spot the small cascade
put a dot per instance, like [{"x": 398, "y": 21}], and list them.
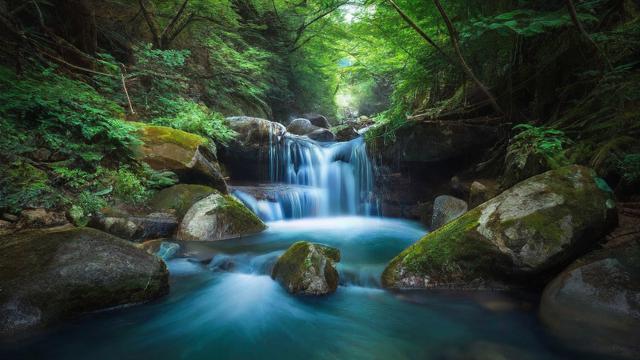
[{"x": 311, "y": 179}]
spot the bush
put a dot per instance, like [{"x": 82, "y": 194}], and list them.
[
  {"x": 195, "y": 118},
  {"x": 547, "y": 142}
]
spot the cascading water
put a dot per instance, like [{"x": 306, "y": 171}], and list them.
[{"x": 315, "y": 179}]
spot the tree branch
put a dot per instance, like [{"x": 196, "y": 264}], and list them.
[{"x": 463, "y": 64}]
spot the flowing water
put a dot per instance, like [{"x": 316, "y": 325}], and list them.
[
  {"x": 230, "y": 308},
  {"x": 328, "y": 179}
]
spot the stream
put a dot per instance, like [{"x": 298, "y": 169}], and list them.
[{"x": 230, "y": 308}]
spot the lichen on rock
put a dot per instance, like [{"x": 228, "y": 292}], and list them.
[
  {"x": 218, "y": 217},
  {"x": 527, "y": 231},
  {"x": 308, "y": 269}
]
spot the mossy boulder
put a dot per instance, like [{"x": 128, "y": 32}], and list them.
[
  {"x": 527, "y": 232},
  {"x": 51, "y": 275},
  {"x": 179, "y": 198},
  {"x": 191, "y": 157},
  {"x": 305, "y": 127},
  {"x": 594, "y": 305},
  {"x": 247, "y": 155},
  {"x": 308, "y": 269},
  {"x": 218, "y": 217}
]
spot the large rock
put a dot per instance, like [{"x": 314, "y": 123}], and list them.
[
  {"x": 446, "y": 209},
  {"x": 247, "y": 155},
  {"x": 301, "y": 126},
  {"x": 431, "y": 142},
  {"x": 344, "y": 132},
  {"x": 135, "y": 227},
  {"x": 318, "y": 120},
  {"x": 191, "y": 157},
  {"x": 322, "y": 135},
  {"x": 218, "y": 217},
  {"x": 594, "y": 305},
  {"x": 179, "y": 198},
  {"x": 308, "y": 269},
  {"x": 50, "y": 275},
  {"x": 526, "y": 232}
]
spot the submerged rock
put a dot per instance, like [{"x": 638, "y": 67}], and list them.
[
  {"x": 594, "y": 305},
  {"x": 445, "y": 209},
  {"x": 308, "y": 269},
  {"x": 218, "y": 217},
  {"x": 191, "y": 157},
  {"x": 527, "y": 231},
  {"x": 51, "y": 275},
  {"x": 179, "y": 198}
]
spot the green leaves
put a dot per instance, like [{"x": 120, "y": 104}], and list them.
[{"x": 523, "y": 22}]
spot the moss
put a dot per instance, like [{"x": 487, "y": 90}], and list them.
[
  {"x": 153, "y": 135},
  {"x": 180, "y": 198},
  {"x": 455, "y": 252},
  {"x": 241, "y": 218},
  {"x": 296, "y": 264}
]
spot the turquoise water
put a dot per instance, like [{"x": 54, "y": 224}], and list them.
[{"x": 231, "y": 309}]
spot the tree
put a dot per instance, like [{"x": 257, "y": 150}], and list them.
[{"x": 179, "y": 21}]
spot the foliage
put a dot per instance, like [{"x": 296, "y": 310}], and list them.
[
  {"x": 195, "y": 118},
  {"x": 66, "y": 116},
  {"x": 629, "y": 167},
  {"x": 547, "y": 142}
]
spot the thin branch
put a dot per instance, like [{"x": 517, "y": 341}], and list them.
[
  {"x": 124, "y": 87},
  {"x": 419, "y": 30},
  {"x": 578, "y": 24},
  {"x": 463, "y": 64},
  {"x": 166, "y": 33},
  {"x": 153, "y": 27}
]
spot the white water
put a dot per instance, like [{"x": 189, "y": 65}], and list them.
[{"x": 328, "y": 179}]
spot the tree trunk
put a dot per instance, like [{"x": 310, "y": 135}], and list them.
[
  {"x": 453, "y": 34},
  {"x": 578, "y": 24}
]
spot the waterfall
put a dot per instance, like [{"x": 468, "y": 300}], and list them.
[{"x": 311, "y": 179}]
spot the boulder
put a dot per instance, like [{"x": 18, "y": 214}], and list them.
[
  {"x": 318, "y": 120},
  {"x": 41, "y": 218},
  {"x": 322, "y": 135},
  {"x": 431, "y": 142},
  {"x": 179, "y": 198},
  {"x": 308, "y": 269},
  {"x": 247, "y": 155},
  {"x": 481, "y": 192},
  {"x": 594, "y": 305},
  {"x": 51, "y": 275},
  {"x": 191, "y": 157},
  {"x": 445, "y": 209},
  {"x": 135, "y": 227},
  {"x": 525, "y": 233},
  {"x": 218, "y": 217},
  {"x": 344, "y": 132},
  {"x": 301, "y": 127}
]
